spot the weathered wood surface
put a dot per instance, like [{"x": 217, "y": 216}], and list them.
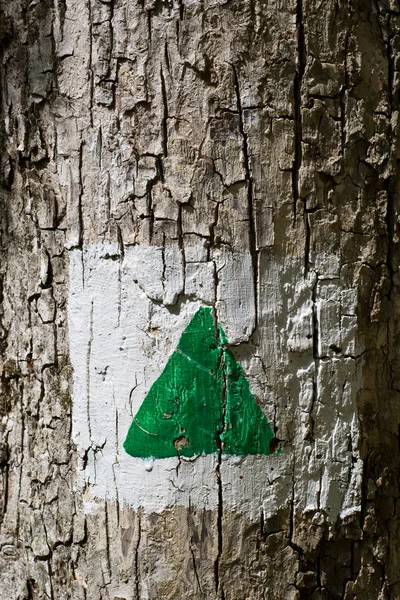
[{"x": 156, "y": 157}]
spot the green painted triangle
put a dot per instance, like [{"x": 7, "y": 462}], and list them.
[{"x": 201, "y": 402}]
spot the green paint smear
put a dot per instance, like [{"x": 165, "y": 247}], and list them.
[{"x": 201, "y": 403}]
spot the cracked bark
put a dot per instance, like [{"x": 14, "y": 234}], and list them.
[{"x": 233, "y": 154}]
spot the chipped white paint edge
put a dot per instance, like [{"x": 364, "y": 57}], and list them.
[{"x": 121, "y": 335}]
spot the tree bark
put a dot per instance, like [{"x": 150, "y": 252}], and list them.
[{"x": 159, "y": 157}]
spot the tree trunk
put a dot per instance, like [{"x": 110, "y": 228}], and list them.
[{"x": 200, "y": 310}]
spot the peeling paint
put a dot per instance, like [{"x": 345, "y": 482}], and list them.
[{"x": 132, "y": 336}]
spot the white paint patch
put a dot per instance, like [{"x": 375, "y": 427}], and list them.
[
  {"x": 122, "y": 331},
  {"x": 235, "y": 295}
]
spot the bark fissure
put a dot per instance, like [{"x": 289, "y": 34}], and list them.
[
  {"x": 88, "y": 370},
  {"x": 79, "y": 199},
  {"x": 343, "y": 93},
  {"x": 297, "y": 100},
  {"x": 390, "y": 218},
  {"x": 164, "y": 118},
  {"x": 136, "y": 566},
  {"x": 107, "y": 539},
  {"x": 249, "y": 179},
  {"x": 4, "y": 467},
  {"x": 90, "y": 62},
  {"x": 195, "y": 571},
  {"x": 220, "y": 512}
]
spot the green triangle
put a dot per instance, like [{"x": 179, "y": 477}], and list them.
[{"x": 201, "y": 402}]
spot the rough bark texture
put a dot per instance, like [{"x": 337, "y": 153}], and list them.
[{"x": 238, "y": 154}]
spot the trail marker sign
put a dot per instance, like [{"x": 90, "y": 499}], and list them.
[{"x": 201, "y": 403}]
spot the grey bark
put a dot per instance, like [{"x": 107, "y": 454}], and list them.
[{"x": 267, "y": 127}]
